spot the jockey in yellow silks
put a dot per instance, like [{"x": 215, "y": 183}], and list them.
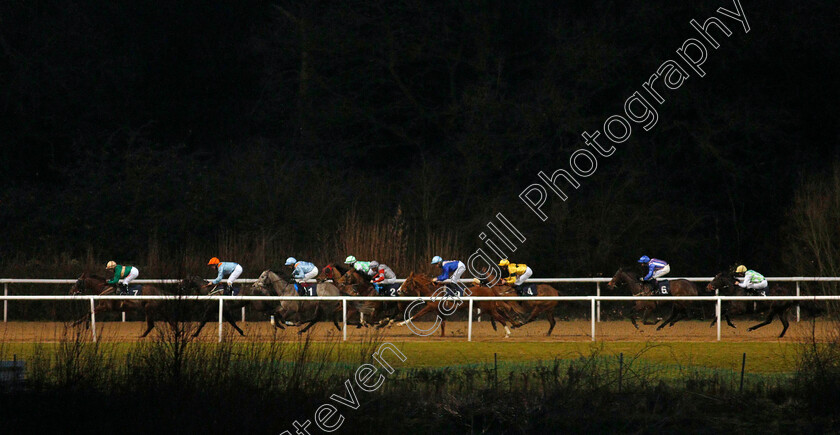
[{"x": 517, "y": 273}]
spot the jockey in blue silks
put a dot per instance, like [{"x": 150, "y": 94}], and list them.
[
  {"x": 451, "y": 270},
  {"x": 303, "y": 271},
  {"x": 656, "y": 268}
]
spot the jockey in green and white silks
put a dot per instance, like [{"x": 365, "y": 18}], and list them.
[
  {"x": 362, "y": 267},
  {"x": 124, "y": 273},
  {"x": 750, "y": 280}
]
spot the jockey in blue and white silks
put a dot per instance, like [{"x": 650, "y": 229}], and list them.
[
  {"x": 451, "y": 269},
  {"x": 656, "y": 268}
]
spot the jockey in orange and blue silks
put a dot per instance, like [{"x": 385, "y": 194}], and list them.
[{"x": 229, "y": 268}]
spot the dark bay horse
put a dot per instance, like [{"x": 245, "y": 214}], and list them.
[
  {"x": 679, "y": 287},
  {"x": 724, "y": 283},
  {"x": 421, "y": 285},
  {"x": 87, "y": 283},
  {"x": 197, "y": 286},
  {"x": 306, "y": 312},
  {"x": 533, "y": 308}
]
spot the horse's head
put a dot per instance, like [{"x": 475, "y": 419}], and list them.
[
  {"x": 619, "y": 278},
  {"x": 190, "y": 285},
  {"x": 722, "y": 282},
  {"x": 79, "y": 286}
]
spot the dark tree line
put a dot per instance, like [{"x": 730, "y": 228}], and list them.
[{"x": 182, "y": 123}]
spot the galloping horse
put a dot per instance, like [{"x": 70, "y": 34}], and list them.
[
  {"x": 307, "y": 311},
  {"x": 421, "y": 285},
  {"x": 724, "y": 283},
  {"x": 679, "y": 287},
  {"x": 97, "y": 285},
  {"x": 535, "y": 308},
  {"x": 195, "y": 285},
  {"x": 381, "y": 313}
]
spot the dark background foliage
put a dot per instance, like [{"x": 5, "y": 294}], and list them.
[{"x": 173, "y": 130}]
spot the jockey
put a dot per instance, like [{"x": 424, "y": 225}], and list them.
[
  {"x": 751, "y": 280},
  {"x": 656, "y": 269},
  {"x": 229, "y": 268},
  {"x": 303, "y": 271},
  {"x": 517, "y": 274},
  {"x": 384, "y": 279},
  {"x": 451, "y": 270},
  {"x": 362, "y": 267},
  {"x": 126, "y": 273}
]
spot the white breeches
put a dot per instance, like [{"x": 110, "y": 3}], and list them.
[
  {"x": 756, "y": 285},
  {"x": 661, "y": 272},
  {"x": 233, "y": 275},
  {"x": 131, "y": 276},
  {"x": 312, "y": 274},
  {"x": 521, "y": 278},
  {"x": 456, "y": 276}
]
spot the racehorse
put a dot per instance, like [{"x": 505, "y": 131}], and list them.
[
  {"x": 195, "y": 285},
  {"x": 421, "y": 285},
  {"x": 679, "y": 287},
  {"x": 307, "y": 311},
  {"x": 381, "y": 313},
  {"x": 535, "y": 308},
  {"x": 97, "y": 285},
  {"x": 724, "y": 283},
  {"x": 332, "y": 271}
]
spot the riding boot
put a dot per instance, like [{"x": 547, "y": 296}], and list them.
[{"x": 123, "y": 289}]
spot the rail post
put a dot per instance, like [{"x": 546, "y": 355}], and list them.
[
  {"x": 592, "y": 316},
  {"x": 5, "y": 302},
  {"x": 469, "y": 322},
  {"x": 717, "y": 314},
  {"x": 123, "y": 316},
  {"x": 93, "y": 318},
  {"x": 221, "y": 311},
  {"x": 598, "y": 293},
  {"x": 797, "y": 305},
  {"x": 344, "y": 318},
  {"x": 243, "y": 314}
]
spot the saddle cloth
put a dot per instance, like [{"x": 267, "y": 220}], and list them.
[
  {"x": 527, "y": 290},
  {"x": 135, "y": 289},
  {"x": 661, "y": 287},
  {"x": 386, "y": 289},
  {"x": 307, "y": 289}
]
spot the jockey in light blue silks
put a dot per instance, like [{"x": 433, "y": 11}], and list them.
[
  {"x": 225, "y": 268},
  {"x": 656, "y": 268},
  {"x": 451, "y": 270},
  {"x": 303, "y": 271}
]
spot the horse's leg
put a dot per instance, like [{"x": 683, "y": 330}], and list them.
[
  {"x": 766, "y": 322},
  {"x": 443, "y": 328},
  {"x": 493, "y": 323},
  {"x": 728, "y": 320},
  {"x": 549, "y": 314},
  {"x": 648, "y": 311},
  {"x": 670, "y": 317},
  {"x": 309, "y": 325},
  {"x": 424, "y": 310},
  {"x": 200, "y": 327},
  {"x": 495, "y": 314},
  {"x": 682, "y": 313},
  {"x": 783, "y": 318},
  {"x": 150, "y": 324},
  {"x": 228, "y": 318}
]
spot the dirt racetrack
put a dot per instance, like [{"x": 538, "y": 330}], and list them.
[{"x": 574, "y": 330}]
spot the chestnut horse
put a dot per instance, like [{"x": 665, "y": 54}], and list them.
[
  {"x": 97, "y": 285},
  {"x": 679, "y": 287},
  {"x": 421, "y": 285},
  {"x": 724, "y": 283},
  {"x": 534, "y": 308}
]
